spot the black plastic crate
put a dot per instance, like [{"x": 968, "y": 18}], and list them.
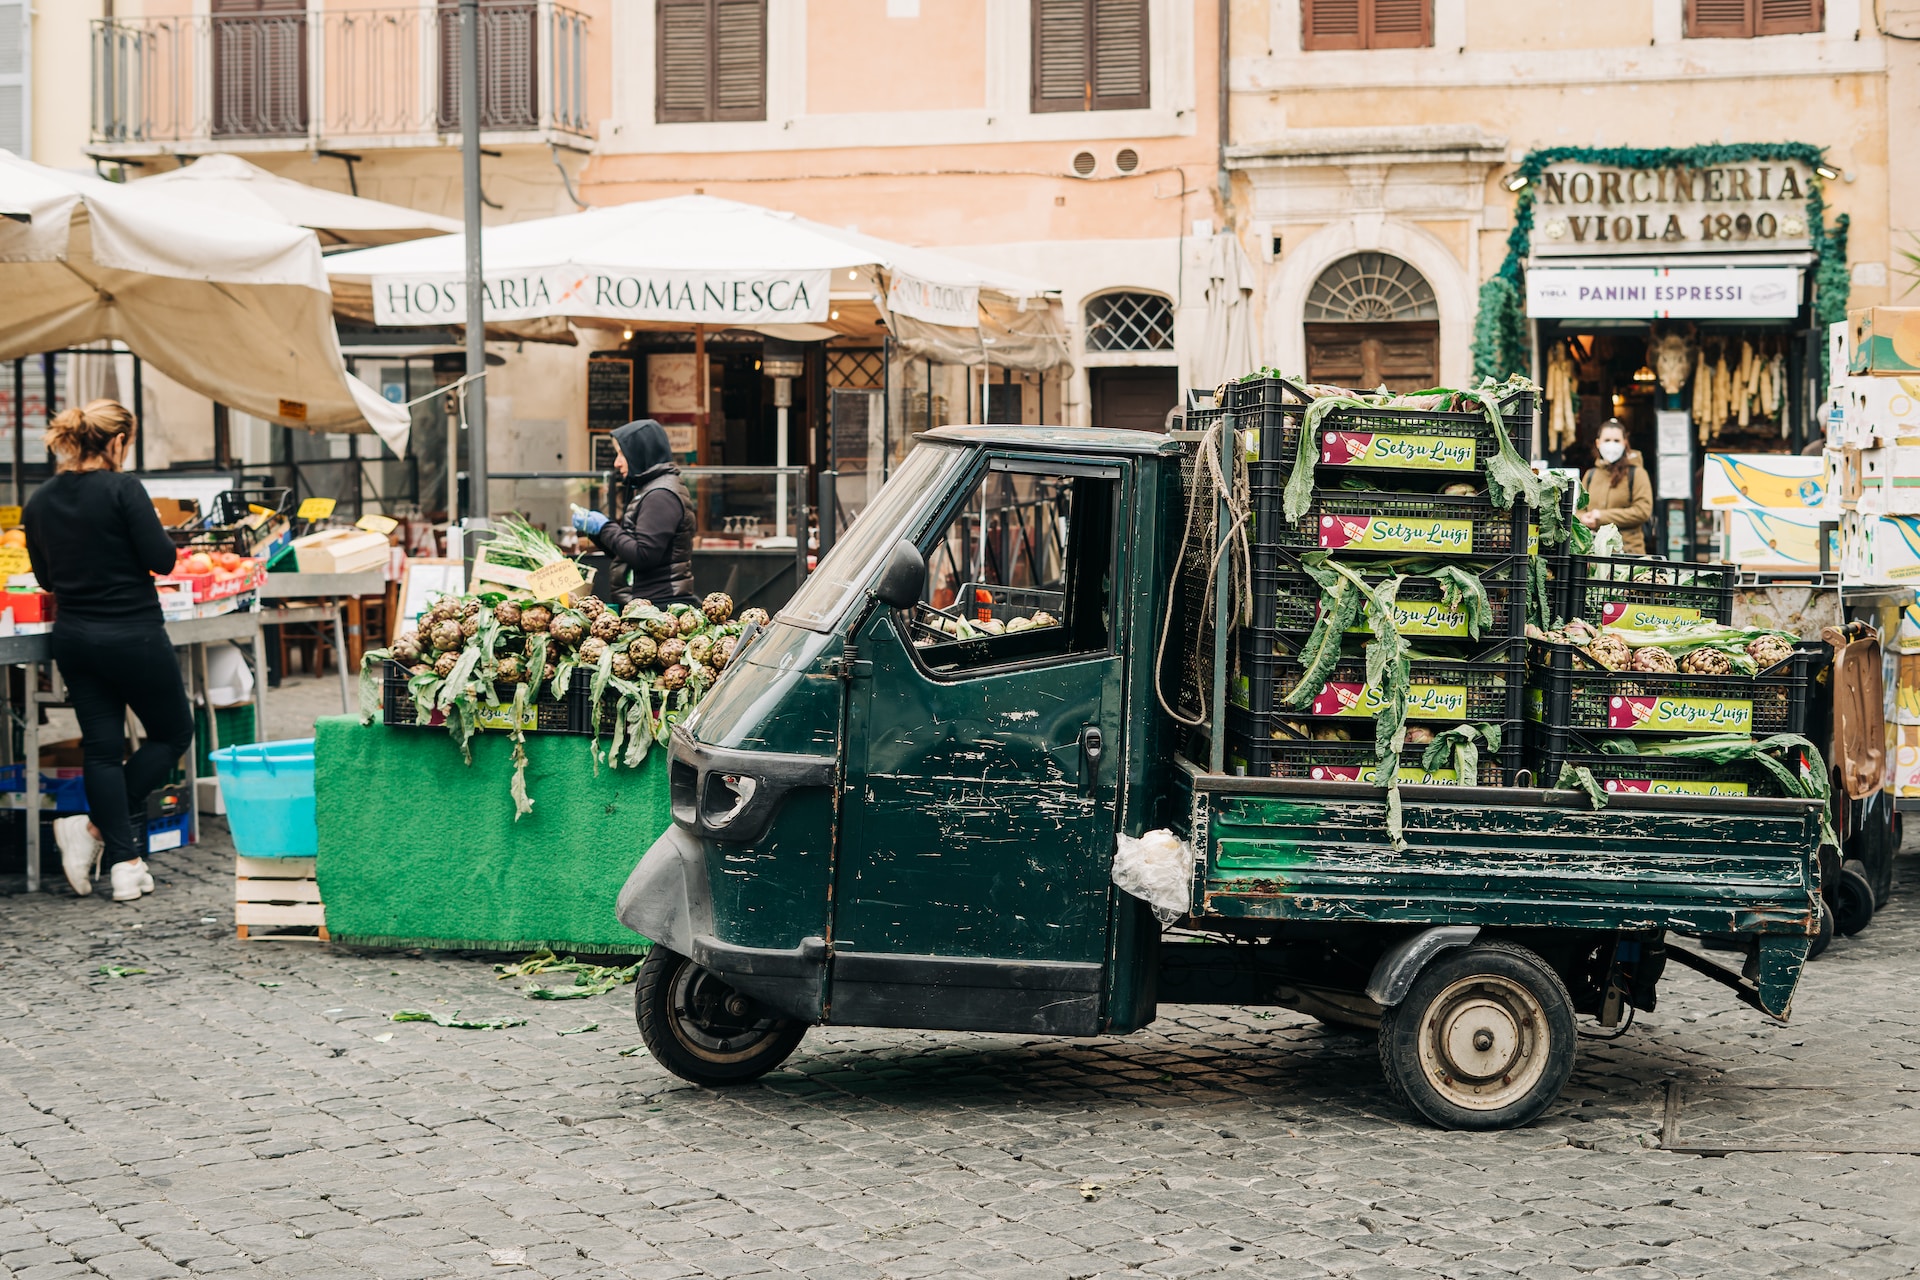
[
  {"x": 235, "y": 505},
  {"x": 1616, "y": 590},
  {"x": 976, "y": 601},
  {"x": 1260, "y": 755},
  {"x": 1392, "y": 524},
  {"x": 1651, "y": 775},
  {"x": 1488, "y": 686},
  {"x": 550, "y": 714},
  {"x": 1384, "y": 439},
  {"x": 1569, "y": 691},
  {"x": 1291, "y": 598}
]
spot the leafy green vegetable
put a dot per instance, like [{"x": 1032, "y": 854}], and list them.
[
  {"x": 456, "y": 1021},
  {"x": 1458, "y": 749},
  {"x": 1462, "y": 590},
  {"x": 580, "y": 1030},
  {"x": 117, "y": 971}
]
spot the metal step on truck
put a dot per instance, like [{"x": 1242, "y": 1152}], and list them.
[{"x": 900, "y": 805}]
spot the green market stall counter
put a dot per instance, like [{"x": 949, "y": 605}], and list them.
[{"x": 420, "y": 849}]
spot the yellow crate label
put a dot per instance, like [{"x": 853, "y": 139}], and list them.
[
  {"x": 1644, "y": 617},
  {"x": 1395, "y": 533},
  {"x": 1424, "y": 701},
  {"x": 501, "y": 717},
  {"x": 1536, "y": 704},
  {"x": 1403, "y": 452},
  {"x": 1673, "y": 787},
  {"x": 1371, "y": 773},
  {"x": 1421, "y": 618},
  {"x": 1703, "y": 715},
  {"x": 9, "y": 517}
]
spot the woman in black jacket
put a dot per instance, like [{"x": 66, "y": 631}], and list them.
[
  {"x": 651, "y": 544},
  {"x": 96, "y": 542}
]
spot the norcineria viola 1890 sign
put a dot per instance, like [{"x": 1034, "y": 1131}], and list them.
[
  {"x": 698, "y": 297},
  {"x": 1594, "y": 209}
]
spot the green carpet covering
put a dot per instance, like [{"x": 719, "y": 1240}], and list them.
[{"x": 418, "y": 849}]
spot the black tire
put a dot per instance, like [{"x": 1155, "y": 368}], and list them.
[
  {"x": 1483, "y": 1040},
  {"x": 1852, "y": 901},
  {"x": 701, "y": 1029},
  {"x": 1823, "y": 939}
]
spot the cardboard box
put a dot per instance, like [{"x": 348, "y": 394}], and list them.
[
  {"x": 1788, "y": 481},
  {"x": 341, "y": 551},
  {"x": 1883, "y": 340},
  {"x": 176, "y": 512},
  {"x": 1884, "y": 481},
  {"x": 1906, "y": 760},
  {"x": 1774, "y": 537},
  {"x": 1879, "y": 551}
]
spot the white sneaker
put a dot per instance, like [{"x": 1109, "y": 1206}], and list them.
[
  {"x": 79, "y": 851},
  {"x": 128, "y": 877}
]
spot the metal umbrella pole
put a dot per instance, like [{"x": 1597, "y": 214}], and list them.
[{"x": 477, "y": 504}]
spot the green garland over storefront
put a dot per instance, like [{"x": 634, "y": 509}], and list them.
[{"x": 1501, "y": 346}]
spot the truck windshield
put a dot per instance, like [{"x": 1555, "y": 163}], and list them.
[{"x": 855, "y": 558}]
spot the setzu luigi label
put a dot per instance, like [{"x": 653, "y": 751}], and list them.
[
  {"x": 1673, "y": 787},
  {"x": 1421, "y": 618},
  {"x": 1408, "y": 453},
  {"x": 1424, "y": 701},
  {"x": 1644, "y": 617},
  {"x": 1396, "y": 533},
  {"x": 1371, "y": 773},
  {"x": 1698, "y": 715}
]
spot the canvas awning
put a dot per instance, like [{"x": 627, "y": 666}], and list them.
[
  {"x": 232, "y": 307},
  {"x": 228, "y": 183}
]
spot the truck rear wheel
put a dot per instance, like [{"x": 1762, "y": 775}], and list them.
[
  {"x": 1483, "y": 1040},
  {"x": 701, "y": 1029}
]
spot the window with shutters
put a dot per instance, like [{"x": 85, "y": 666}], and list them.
[
  {"x": 1366, "y": 24},
  {"x": 14, "y": 78},
  {"x": 1089, "y": 55},
  {"x": 710, "y": 60},
  {"x": 509, "y": 61},
  {"x": 1745, "y": 19},
  {"x": 259, "y": 68}
]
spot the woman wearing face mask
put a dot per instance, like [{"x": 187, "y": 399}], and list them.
[{"x": 1619, "y": 492}]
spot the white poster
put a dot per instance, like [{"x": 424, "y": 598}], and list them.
[
  {"x": 1657, "y": 293},
  {"x": 954, "y": 305},
  {"x": 716, "y": 297}
]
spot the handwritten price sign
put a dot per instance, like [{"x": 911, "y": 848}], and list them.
[{"x": 551, "y": 581}]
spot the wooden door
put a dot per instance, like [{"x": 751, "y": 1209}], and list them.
[
  {"x": 1402, "y": 355},
  {"x": 259, "y": 68},
  {"x": 1138, "y": 399}
]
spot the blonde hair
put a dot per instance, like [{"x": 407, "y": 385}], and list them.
[{"x": 78, "y": 436}]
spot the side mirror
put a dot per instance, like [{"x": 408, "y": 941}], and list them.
[{"x": 903, "y": 578}]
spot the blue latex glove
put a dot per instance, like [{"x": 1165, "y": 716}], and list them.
[{"x": 588, "y": 522}]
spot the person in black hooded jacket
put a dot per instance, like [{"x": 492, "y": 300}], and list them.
[{"x": 651, "y": 544}]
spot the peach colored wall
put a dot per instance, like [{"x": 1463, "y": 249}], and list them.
[{"x": 858, "y": 59}]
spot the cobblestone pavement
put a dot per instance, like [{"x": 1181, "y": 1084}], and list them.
[{"x": 249, "y": 1108}]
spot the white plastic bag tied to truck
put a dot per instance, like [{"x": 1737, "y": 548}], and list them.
[{"x": 1156, "y": 868}]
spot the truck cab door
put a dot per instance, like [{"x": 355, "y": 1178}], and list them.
[{"x": 972, "y": 884}]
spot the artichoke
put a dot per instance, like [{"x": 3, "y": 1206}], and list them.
[
  {"x": 567, "y": 627},
  {"x": 508, "y": 613},
  {"x": 723, "y": 652},
  {"x": 674, "y": 677},
  {"x": 535, "y": 618},
  {"x": 756, "y": 616},
  {"x": 1707, "y": 662},
  {"x": 469, "y": 626},
  {"x": 659, "y": 625},
  {"x": 418, "y": 669},
  {"x": 1418, "y": 735},
  {"x": 1331, "y": 733},
  {"x": 591, "y": 607},
  {"x": 470, "y": 607},
  {"x": 699, "y": 650},
  {"x": 718, "y": 606},
  {"x": 1580, "y": 631},
  {"x": 671, "y": 651},
  {"x": 592, "y": 649},
  {"x": 1609, "y": 651},
  {"x": 443, "y": 665},
  {"x": 406, "y": 648},
  {"x": 622, "y": 665},
  {"x": 1769, "y": 649},
  {"x": 510, "y": 669},
  {"x": 606, "y": 626},
  {"x": 447, "y": 636},
  {"x": 1653, "y": 660},
  {"x": 637, "y": 609},
  {"x": 643, "y": 650},
  {"x": 690, "y": 621},
  {"x": 1041, "y": 618}
]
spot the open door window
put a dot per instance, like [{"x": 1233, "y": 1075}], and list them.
[{"x": 1022, "y": 570}]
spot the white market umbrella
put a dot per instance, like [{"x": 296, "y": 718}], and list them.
[
  {"x": 232, "y": 307},
  {"x": 1227, "y": 344},
  {"x": 685, "y": 259},
  {"x": 236, "y": 186}
]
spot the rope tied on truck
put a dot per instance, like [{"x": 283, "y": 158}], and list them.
[{"x": 1232, "y": 490}]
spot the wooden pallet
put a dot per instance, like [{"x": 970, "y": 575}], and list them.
[{"x": 279, "y": 899}]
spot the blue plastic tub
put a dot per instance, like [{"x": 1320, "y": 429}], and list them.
[{"x": 268, "y": 787}]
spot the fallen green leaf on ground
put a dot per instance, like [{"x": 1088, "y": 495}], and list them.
[
  {"x": 455, "y": 1020},
  {"x": 580, "y": 1031},
  {"x": 117, "y": 971},
  {"x": 632, "y": 1049},
  {"x": 269, "y": 984},
  {"x": 588, "y": 979}
]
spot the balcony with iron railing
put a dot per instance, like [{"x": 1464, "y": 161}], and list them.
[{"x": 285, "y": 79}]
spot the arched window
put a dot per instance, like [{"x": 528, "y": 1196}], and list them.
[
  {"x": 1129, "y": 322},
  {"x": 1369, "y": 287}
]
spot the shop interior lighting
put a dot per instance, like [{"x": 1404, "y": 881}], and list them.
[
  {"x": 1826, "y": 171},
  {"x": 1644, "y": 375},
  {"x": 1516, "y": 181},
  {"x": 627, "y": 334},
  {"x": 833, "y": 315},
  {"x": 853, "y": 275},
  {"x": 1619, "y": 404}
]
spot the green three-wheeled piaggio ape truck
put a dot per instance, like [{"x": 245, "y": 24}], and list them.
[{"x": 897, "y": 809}]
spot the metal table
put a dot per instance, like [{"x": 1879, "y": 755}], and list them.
[{"x": 327, "y": 590}]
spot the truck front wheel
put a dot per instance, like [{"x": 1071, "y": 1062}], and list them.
[
  {"x": 1483, "y": 1040},
  {"x": 701, "y": 1029}
]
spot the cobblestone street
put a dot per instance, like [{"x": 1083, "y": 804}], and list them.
[{"x": 250, "y": 1107}]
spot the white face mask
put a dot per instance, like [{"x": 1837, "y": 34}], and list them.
[{"x": 1612, "y": 450}]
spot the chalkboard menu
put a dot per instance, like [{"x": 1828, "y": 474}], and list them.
[
  {"x": 609, "y": 392},
  {"x": 603, "y": 450}
]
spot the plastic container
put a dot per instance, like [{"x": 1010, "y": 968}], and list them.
[
  {"x": 549, "y": 714},
  {"x": 976, "y": 602},
  {"x": 1650, "y": 775},
  {"x": 1647, "y": 593},
  {"x": 1489, "y": 686},
  {"x": 1259, "y": 755},
  {"x": 1388, "y": 524},
  {"x": 1429, "y": 441},
  {"x": 1291, "y": 599},
  {"x": 61, "y": 790},
  {"x": 268, "y": 789},
  {"x": 1569, "y": 691}
]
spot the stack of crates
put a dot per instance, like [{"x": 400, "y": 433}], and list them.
[
  {"x": 1574, "y": 704},
  {"x": 1378, "y": 501}
]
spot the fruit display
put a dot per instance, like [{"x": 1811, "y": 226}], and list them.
[
  {"x": 482, "y": 662},
  {"x": 214, "y": 575}
]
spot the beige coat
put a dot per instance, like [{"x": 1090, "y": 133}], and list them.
[{"x": 1621, "y": 495}]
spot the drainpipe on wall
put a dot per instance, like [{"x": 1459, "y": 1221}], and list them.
[{"x": 1224, "y": 182}]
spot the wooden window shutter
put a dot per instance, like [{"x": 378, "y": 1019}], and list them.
[
  {"x": 740, "y": 60},
  {"x": 1400, "y": 24},
  {"x": 1788, "y": 17},
  {"x": 1062, "y": 55},
  {"x": 1332, "y": 24},
  {"x": 711, "y": 60},
  {"x": 1119, "y": 55},
  {"x": 1720, "y": 19}
]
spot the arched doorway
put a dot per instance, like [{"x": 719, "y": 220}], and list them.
[{"x": 1372, "y": 320}]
